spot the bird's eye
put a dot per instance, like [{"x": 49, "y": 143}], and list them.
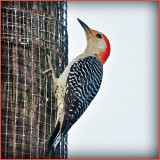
[{"x": 99, "y": 36}]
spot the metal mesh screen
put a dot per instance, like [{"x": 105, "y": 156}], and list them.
[{"x": 30, "y": 31}]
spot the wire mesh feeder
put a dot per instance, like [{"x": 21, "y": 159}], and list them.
[{"x": 30, "y": 31}]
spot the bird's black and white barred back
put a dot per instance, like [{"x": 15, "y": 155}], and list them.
[{"x": 83, "y": 83}]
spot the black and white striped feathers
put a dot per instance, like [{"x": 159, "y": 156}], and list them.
[{"x": 83, "y": 83}]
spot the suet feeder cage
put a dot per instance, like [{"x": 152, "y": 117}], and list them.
[{"x": 30, "y": 31}]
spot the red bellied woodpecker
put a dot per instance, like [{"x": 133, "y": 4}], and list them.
[{"x": 79, "y": 83}]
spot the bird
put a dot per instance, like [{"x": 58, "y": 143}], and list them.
[{"x": 80, "y": 82}]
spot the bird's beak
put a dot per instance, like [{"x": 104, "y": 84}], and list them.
[{"x": 86, "y": 28}]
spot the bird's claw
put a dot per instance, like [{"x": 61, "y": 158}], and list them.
[
  {"x": 50, "y": 69},
  {"x": 50, "y": 65}
]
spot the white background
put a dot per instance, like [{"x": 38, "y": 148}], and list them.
[{"x": 122, "y": 121}]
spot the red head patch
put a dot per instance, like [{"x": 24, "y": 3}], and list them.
[{"x": 105, "y": 54}]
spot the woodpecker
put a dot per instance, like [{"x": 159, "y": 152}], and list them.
[{"x": 79, "y": 83}]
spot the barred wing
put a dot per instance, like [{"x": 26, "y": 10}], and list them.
[{"x": 83, "y": 83}]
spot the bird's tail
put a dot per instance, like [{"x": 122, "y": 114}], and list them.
[{"x": 54, "y": 139}]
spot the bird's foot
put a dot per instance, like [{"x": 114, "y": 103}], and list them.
[
  {"x": 50, "y": 65},
  {"x": 50, "y": 69}
]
